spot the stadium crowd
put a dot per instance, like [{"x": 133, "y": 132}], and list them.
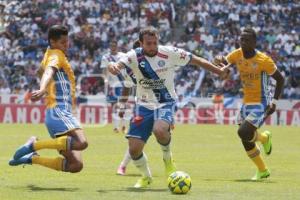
[{"x": 204, "y": 27}]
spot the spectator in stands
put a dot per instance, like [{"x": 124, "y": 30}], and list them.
[{"x": 201, "y": 26}]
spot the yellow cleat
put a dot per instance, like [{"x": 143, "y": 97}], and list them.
[
  {"x": 260, "y": 175},
  {"x": 169, "y": 167},
  {"x": 143, "y": 182},
  {"x": 268, "y": 145}
]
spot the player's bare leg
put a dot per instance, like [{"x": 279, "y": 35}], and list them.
[
  {"x": 69, "y": 145},
  {"x": 139, "y": 159},
  {"x": 248, "y": 135},
  {"x": 161, "y": 130}
]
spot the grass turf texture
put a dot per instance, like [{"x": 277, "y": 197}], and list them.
[{"x": 211, "y": 154}]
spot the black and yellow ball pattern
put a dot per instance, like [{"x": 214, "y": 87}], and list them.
[{"x": 179, "y": 182}]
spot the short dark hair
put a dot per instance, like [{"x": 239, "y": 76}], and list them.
[
  {"x": 56, "y": 31},
  {"x": 250, "y": 31},
  {"x": 150, "y": 30},
  {"x": 114, "y": 41},
  {"x": 136, "y": 44}
]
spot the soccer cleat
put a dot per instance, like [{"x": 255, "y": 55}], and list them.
[
  {"x": 25, "y": 148},
  {"x": 260, "y": 175},
  {"x": 169, "y": 167},
  {"x": 268, "y": 145},
  {"x": 27, "y": 159},
  {"x": 116, "y": 130},
  {"x": 121, "y": 170},
  {"x": 143, "y": 182}
]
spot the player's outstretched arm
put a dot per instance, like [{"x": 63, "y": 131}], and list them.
[
  {"x": 115, "y": 68},
  {"x": 222, "y": 71},
  {"x": 38, "y": 94}
]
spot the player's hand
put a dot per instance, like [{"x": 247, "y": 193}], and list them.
[
  {"x": 218, "y": 60},
  {"x": 270, "y": 109},
  {"x": 225, "y": 71},
  {"x": 113, "y": 68},
  {"x": 37, "y": 95}
]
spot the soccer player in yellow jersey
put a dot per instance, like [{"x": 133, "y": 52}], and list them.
[
  {"x": 58, "y": 86},
  {"x": 255, "y": 68}
]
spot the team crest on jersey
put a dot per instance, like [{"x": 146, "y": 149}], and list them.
[
  {"x": 254, "y": 65},
  {"x": 161, "y": 63},
  {"x": 239, "y": 62},
  {"x": 142, "y": 64}
]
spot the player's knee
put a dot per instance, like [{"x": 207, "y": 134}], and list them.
[
  {"x": 248, "y": 145},
  {"x": 245, "y": 134},
  {"x": 161, "y": 132},
  {"x": 76, "y": 167},
  {"x": 84, "y": 144},
  {"x": 81, "y": 144},
  {"x": 134, "y": 153}
]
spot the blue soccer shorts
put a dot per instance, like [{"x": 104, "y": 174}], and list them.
[
  {"x": 59, "y": 121},
  {"x": 142, "y": 122},
  {"x": 253, "y": 113}
]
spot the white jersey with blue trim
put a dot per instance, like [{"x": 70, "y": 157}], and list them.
[
  {"x": 155, "y": 75},
  {"x": 113, "y": 81}
]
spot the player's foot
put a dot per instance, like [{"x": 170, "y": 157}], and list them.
[
  {"x": 121, "y": 170},
  {"x": 116, "y": 130},
  {"x": 25, "y": 148},
  {"x": 124, "y": 129},
  {"x": 143, "y": 182},
  {"x": 260, "y": 175},
  {"x": 27, "y": 159},
  {"x": 268, "y": 145},
  {"x": 169, "y": 167}
]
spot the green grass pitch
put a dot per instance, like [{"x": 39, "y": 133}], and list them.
[{"x": 211, "y": 154}]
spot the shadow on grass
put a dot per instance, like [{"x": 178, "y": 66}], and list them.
[
  {"x": 130, "y": 175},
  {"x": 37, "y": 189},
  {"x": 251, "y": 181},
  {"x": 240, "y": 180},
  {"x": 132, "y": 189}
]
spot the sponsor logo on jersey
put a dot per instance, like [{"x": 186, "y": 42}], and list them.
[
  {"x": 161, "y": 70},
  {"x": 162, "y": 55},
  {"x": 152, "y": 84}
]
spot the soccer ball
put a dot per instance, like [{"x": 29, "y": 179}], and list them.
[{"x": 179, "y": 182}]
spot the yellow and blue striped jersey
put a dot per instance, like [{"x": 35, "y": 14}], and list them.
[
  {"x": 61, "y": 89},
  {"x": 254, "y": 74}
]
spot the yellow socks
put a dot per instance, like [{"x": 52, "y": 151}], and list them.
[
  {"x": 262, "y": 137},
  {"x": 53, "y": 163},
  {"x": 255, "y": 156},
  {"x": 60, "y": 143}
]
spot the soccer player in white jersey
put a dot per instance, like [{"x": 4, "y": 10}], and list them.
[
  {"x": 129, "y": 82},
  {"x": 154, "y": 67},
  {"x": 115, "y": 85}
]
